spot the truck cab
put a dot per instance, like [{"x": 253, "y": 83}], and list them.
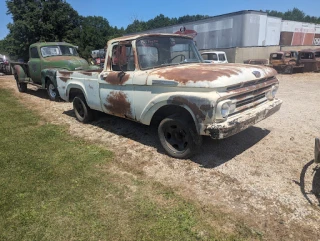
[
  {"x": 310, "y": 58},
  {"x": 216, "y": 57}
]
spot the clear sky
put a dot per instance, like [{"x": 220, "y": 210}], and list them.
[{"x": 121, "y": 13}]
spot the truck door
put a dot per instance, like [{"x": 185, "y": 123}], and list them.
[
  {"x": 115, "y": 82},
  {"x": 34, "y": 65}
]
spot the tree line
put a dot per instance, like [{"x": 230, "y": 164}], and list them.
[{"x": 57, "y": 21}]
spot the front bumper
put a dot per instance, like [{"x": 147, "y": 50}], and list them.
[
  {"x": 235, "y": 124},
  {"x": 317, "y": 151}
]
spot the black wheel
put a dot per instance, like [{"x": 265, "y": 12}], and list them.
[
  {"x": 82, "y": 111},
  {"x": 22, "y": 87},
  {"x": 288, "y": 69},
  {"x": 178, "y": 137},
  {"x": 52, "y": 91}
]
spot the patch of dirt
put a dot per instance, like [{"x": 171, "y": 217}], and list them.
[{"x": 264, "y": 175}]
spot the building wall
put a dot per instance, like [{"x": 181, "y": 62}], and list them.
[
  {"x": 241, "y": 29},
  {"x": 298, "y": 33}
]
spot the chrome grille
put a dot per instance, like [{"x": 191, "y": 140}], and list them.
[{"x": 250, "y": 94}]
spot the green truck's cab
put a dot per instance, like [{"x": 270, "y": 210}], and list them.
[{"x": 44, "y": 60}]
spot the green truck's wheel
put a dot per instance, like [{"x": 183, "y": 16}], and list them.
[
  {"x": 52, "y": 91},
  {"x": 22, "y": 87}
]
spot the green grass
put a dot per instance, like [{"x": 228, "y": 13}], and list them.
[{"x": 55, "y": 187}]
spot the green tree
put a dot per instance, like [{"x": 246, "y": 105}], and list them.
[
  {"x": 160, "y": 21},
  {"x": 294, "y": 15},
  {"x": 39, "y": 20},
  {"x": 94, "y": 33}
]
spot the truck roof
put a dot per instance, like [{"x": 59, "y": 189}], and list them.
[
  {"x": 213, "y": 52},
  {"x": 136, "y": 36},
  {"x": 41, "y": 44},
  {"x": 310, "y": 50}
]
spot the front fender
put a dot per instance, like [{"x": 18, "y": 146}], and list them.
[
  {"x": 49, "y": 74},
  {"x": 199, "y": 105}
]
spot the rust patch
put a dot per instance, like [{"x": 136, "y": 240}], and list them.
[
  {"x": 117, "y": 78},
  {"x": 65, "y": 75},
  {"x": 86, "y": 73},
  {"x": 201, "y": 73},
  {"x": 200, "y": 111},
  {"x": 117, "y": 104}
]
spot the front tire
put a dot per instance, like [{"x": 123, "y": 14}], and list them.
[
  {"x": 52, "y": 91},
  {"x": 178, "y": 137},
  {"x": 82, "y": 111}
]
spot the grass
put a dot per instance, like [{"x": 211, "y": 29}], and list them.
[{"x": 55, "y": 187}]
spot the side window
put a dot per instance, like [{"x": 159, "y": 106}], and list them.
[
  {"x": 276, "y": 56},
  {"x": 34, "y": 53},
  {"x": 214, "y": 57},
  {"x": 205, "y": 56},
  {"x": 306, "y": 56},
  {"x": 221, "y": 57},
  {"x": 123, "y": 58}
]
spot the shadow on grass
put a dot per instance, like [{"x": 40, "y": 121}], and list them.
[
  {"x": 212, "y": 154},
  {"x": 41, "y": 93}
]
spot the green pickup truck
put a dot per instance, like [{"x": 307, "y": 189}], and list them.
[{"x": 44, "y": 60}]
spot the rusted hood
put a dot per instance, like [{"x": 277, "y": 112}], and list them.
[{"x": 209, "y": 75}]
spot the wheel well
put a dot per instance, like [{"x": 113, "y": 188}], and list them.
[
  {"x": 47, "y": 79},
  {"x": 169, "y": 110},
  {"x": 73, "y": 93}
]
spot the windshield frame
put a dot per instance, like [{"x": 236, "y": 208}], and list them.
[
  {"x": 76, "y": 54},
  {"x": 192, "y": 49}
]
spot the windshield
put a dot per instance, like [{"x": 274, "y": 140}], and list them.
[
  {"x": 163, "y": 51},
  {"x": 58, "y": 50}
]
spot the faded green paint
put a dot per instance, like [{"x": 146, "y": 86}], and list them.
[{"x": 42, "y": 67}]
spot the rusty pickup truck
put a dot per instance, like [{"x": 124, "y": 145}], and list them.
[
  {"x": 161, "y": 78},
  {"x": 310, "y": 58},
  {"x": 286, "y": 62},
  {"x": 45, "y": 58}
]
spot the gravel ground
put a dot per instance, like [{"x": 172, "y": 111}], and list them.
[{"x": 264, "y": 175}]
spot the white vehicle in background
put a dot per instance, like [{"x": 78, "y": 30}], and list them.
[{"x": 216, "y": 57}]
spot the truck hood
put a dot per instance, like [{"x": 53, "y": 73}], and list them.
[
  {"x": 66, "y": 62},
  {"x": 209, "y": 75}
]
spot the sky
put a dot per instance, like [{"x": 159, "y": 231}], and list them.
[{"x": 122, "y": 13}]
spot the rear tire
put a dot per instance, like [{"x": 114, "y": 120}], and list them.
[
  {"x": 22, "y": 87},
  {"x": 52, "y": 91},
  {"x": 178, "y": 137},
  {"x": 82, "y": 111}
]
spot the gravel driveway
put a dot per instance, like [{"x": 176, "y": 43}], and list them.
[{"x": 264, "y": 175}]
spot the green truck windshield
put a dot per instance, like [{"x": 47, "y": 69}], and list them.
[{"x": 58, "y": 50}]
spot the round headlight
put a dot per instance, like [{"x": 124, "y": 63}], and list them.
[
  {"x": 225, "y": 110},
  {"x": 270, "y": 95}
]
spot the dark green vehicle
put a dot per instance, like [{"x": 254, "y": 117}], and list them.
[{"x": 44, "y": 60}]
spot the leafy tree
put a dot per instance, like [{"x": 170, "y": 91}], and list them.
[
  {"x": 160, "y": 21},
  {"x": 94, "y": 32},
  {"x": 294, "y": 15},
  {"x": 39, "y": 20}
]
